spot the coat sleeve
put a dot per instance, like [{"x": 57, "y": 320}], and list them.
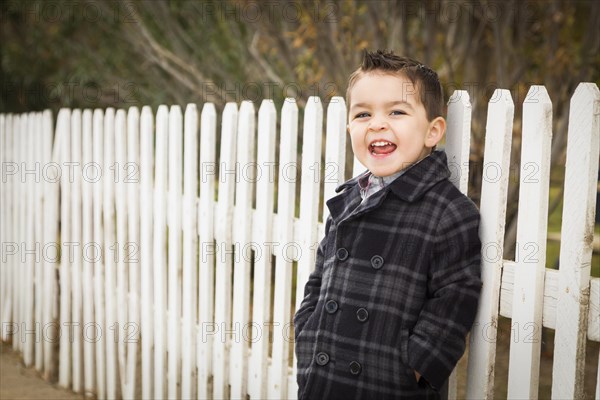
[
  {"x": 312, "y": 287},
  {"x": 438, "y": 338}
]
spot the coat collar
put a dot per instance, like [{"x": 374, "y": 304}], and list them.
[{"x": 409, "y": 186}]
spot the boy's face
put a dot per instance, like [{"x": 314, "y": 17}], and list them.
[{"x": 388, "y": 125}]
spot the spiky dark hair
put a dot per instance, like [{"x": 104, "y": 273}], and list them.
[{"x": 425, "y": 79}]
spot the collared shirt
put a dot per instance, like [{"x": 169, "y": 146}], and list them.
[{"x": 370, "y": 183}]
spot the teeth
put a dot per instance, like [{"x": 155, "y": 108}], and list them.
[{"x": 380, "y": 143}]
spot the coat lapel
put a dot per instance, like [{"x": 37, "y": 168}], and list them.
[{"x": 409, "y": 187}]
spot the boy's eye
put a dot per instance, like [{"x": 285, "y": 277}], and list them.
[
  {"x": 362, "y": 115},
  {"x": 398, "y": 112}
]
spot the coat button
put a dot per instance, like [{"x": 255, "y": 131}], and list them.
[
  {"x": 322, "y": 358},
  {"x": 362, "y": 314},
  {"x": 341, "y": 254},
  {"x": 355, "y": 368},
  {"x": 331, "y": 306},
  {"x": 377, "y": 262}
]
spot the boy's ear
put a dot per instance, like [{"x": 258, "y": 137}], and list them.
[{"x": 437, "y": 129}]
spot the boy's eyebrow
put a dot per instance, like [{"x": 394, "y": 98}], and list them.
[{"x": 388, "y": 104}]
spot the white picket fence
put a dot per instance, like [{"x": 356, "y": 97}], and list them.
[{"x": 149, "y": 289}]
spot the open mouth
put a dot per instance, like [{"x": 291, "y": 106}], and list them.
[{"x": 381, "y": 147}]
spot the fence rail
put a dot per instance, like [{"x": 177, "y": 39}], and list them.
[{"x": 136, "y": 262}]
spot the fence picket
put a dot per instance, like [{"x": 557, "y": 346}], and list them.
[
  {"x": 224, "y": 243},
  {"x": 174, "y": 250},
  {"x": 494, "y": 190},
  {"x": 190, "y": 252},
  {"x": 160, "y": 256},
  {"x": 120, "y": 246},
  {"x": 458, "y": 141},
  {"x": 100, "y": 264},
  {"x": 64, "y": 125},
  {"x": 5, "y": 212},
  {"x": 38, "y": 226},
  {"x": 76, "y": 253},
  {"x": 309, "y": 195},
  {"x": 577, "y": 234},
  {"x": 532, "y": 224},
  {"x": 206, "y": 228},
  {"x": 131, "y": 330},
  {"x": 278, "y": 382},
  {"x": 108, "y": 203},
  {"x": 3, "y": 217},
  {"x": 29, "y": 240},
  {"x": 335, "y": 149},
  {"x": 20, "y": 194},
  {"x": 261, "y": 304},
  {"x": 240, "y": 316},
  {"x": 50, "y": 239},
  {"x": 88, "y": 251},
  {"x": 146, "y": 260},
  {"x": 458, "y": 138}
]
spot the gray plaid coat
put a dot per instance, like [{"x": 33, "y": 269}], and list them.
[{"x": 395, "y": 288}]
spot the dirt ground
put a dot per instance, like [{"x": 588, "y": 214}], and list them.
[{"x": 20, "y": 383}]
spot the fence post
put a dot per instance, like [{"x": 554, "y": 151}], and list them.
[
  {"x": 494, "y": 189},
  {"x": 577, "y": 233},
  {"x": 458, "y": 143},
  {"x": 532, "y": 227}
]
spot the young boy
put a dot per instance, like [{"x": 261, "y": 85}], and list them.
[{"x": 397, "y": 280}]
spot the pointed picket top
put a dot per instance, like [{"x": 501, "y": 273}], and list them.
[
  {"x": 208, "y": 126},
  {"x": 227, "y": 160},
  {"x": 313, "y": 111},
  {"x": 458, "y": 138},
  {"x": 267, "y": 122},
  {"x": 528, "y": 289},
  {"x": 494, "y": 190},
  {"x": 245, "y": 142},
  {"x": 335, "y": 149},
  {"x": 63, "y": 125},
  {"x": 577, "y": 232}
]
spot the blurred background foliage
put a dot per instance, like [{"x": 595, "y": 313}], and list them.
[{"x": 91, "y": 54}]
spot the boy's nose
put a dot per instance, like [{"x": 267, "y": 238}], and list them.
[{"x": 378, "y": 125}]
